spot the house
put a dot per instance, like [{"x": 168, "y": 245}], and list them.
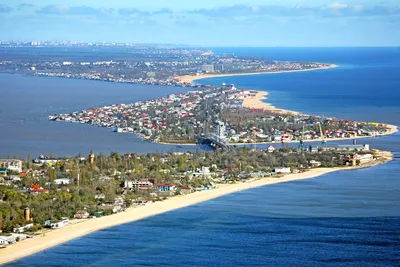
[
  {"x": 165, "y": 187},
  {"x": 3, "y": 171},
  {"x": 141, "y": 202},
  {"x": 138, "y": 185},
  {"x": 81, "y": 214},
  {"x": 23, "y": 228},
  {"x": 271, "y": 149},
  {"x": 35, "y": 189},
  {"x": 365, "y": 158},
  {"x": 98, "y": 214},
  {"x": 282, "y": 170},
  {"x": 277, "y": 137},
  {"x": 204, "y": 172},
  {"x": 57, "y": 225},
  {"x": 62, "y": 181},
  {"x": 11, "y": 164},
  {"x": 186, "y": 190},
  {"x": 99, "y": 196},
  {"x": 315, "y": 163},
  {"x": 3, "y": 241}
]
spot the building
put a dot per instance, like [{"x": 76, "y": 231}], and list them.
[
  {"x": 23, "y": 228},
  {"x": 91, "y": 159},
  {"x": 138, "y": 185},
  {"x": 27, "y": 214},
  {"x": 314, "y": 163},
  {"x": 364, "y": 158},
  {"x": 57, "y": 225},
  {"x": 98, "y": 214},
  {"x": 3, "y": 241},
  {"x": 3, "y": 171},
  {"x": 208, "y": 68},
  {"x": 62, "y": 181},
  {"x": 165, "y": 187},
  {"x": 283, "y": 170},
  {"x": 186, "y": 190},
  {"x": 11, "y": 164},
  {"x": 219, "y": 67},
  {"x": 346, "y": 148},
  {"x": 219, "y": 129},
  {"x": 203, "y": 172},
  {"x": 271, "y": 149},
  {"x": 81, "y": 214},
  {"x": 35, "y": 189}
]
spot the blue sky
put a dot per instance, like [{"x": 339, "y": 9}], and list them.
[{"x": 206, "y": 22}]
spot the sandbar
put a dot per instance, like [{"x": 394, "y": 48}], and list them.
[{"x": 189, "y": 79}]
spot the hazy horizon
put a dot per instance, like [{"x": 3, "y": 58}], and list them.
[{"x": 223, "y": 23}]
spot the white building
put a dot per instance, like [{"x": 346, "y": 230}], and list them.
[
  {"x": 365, "y": 158},
  {"x": 138, "y": 185},
  {"x": 219, "y": 129},
  {"x": 283, "y": 170},
  {"x": 208, "y": 68},
  {"x": 62, "y": 181},
  {"x": 315, "y": 163},
  {"x": 11, "y": 164},
  {"x": 23, "y": 228},
  {"x": 3, "y": 240}
]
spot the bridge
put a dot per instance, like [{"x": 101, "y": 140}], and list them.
[{"x": 215, "y": 142}]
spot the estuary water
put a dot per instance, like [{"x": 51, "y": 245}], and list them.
[{"x": 347, "y": 218}]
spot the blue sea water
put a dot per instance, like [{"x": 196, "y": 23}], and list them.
[
  {"x": 347, "y": 218},
  {"x": 366, "y": 86}
]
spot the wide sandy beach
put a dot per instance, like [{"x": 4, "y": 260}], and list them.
[
  {"x": 192, "y": 78},
  {"x": 84, "y": 227},
  {"x": 257, "y": 102}
]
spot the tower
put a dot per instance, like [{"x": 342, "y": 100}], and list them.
[
  {"x": 219, "y": 129},
  {"x": 91, "y": 158},
  {"x": 27, "y": 214}
]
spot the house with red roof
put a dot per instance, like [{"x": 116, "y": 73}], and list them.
[{"x": 35, "y": 189}]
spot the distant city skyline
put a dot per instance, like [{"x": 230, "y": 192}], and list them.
[{"x": 205, "y": 23}]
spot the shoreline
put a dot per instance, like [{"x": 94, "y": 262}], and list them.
[
  {"x": 190, "y": 79},
  {"x": 256, "y": 102},
  {"x": 86, "y": 226}
]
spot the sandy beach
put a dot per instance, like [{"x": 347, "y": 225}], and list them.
[
  {"x": 84, "y": 227},
  {"x": 257, "y": 102},
  {"x": 192, "y": 78}
]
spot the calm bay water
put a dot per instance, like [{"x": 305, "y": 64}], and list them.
[{"x": 348, "y": 218}]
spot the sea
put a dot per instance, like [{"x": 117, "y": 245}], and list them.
[{"x": 346, "y": 218}]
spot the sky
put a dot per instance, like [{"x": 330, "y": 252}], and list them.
[{"x": 261, "y": 23}]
